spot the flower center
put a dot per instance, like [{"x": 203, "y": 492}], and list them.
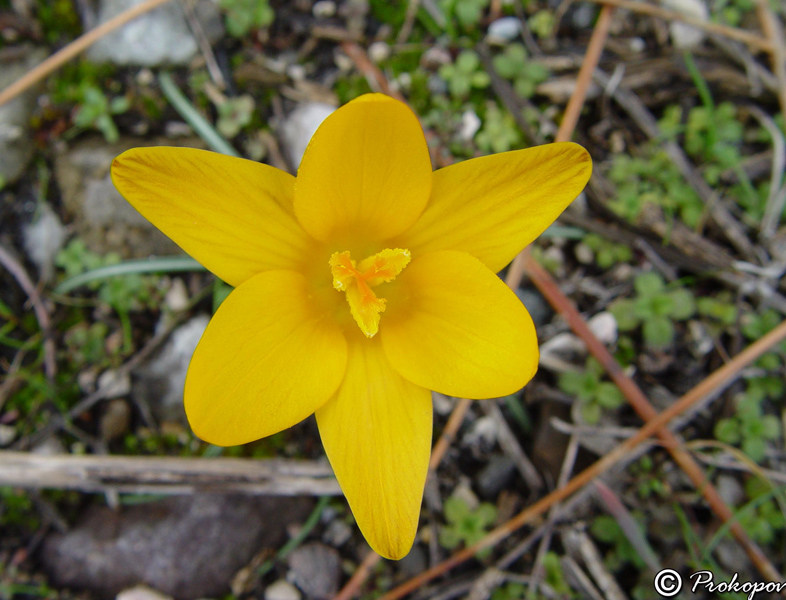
[{"x": 356, "y": 280}]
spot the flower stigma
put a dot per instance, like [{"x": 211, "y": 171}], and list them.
[{"x": 357, "y": 280}]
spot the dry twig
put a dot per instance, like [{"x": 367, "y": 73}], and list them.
[{"x": 167, "y": 475}]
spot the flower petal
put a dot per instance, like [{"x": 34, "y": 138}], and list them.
[
  {"x": 233, "y": 215},
  {"x": 267, "y": 360},
  {"x": 367, "y": 169},
  {"x": 377, "y": 436},
  {"x": 456, "y": 328},
  {"x": 492, "y": 207}
]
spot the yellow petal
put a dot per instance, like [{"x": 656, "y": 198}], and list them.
[
  {"x": 233, "y": 215},
  {"x": 365, "y": 172},
  {"x": 492, "y": 207},
  {"x": 268, "y": 359},
  {"x": 377, "y": 436},
  {"x": 455, "y": 327}
]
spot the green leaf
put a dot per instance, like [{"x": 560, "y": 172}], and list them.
[
  {"x": 771, "y": 427},
  {"x": 624, "y": 313},
  {"x": 658, "y": 331},
  {"x": 684, "y": 306},
  {"x": 648, "y": 284},
  {"x": 455, "y": 509},
  {"x": 728, "y": 431},
  {"x": 590, "y": 412},
  {"x": 608, "y": 395}
]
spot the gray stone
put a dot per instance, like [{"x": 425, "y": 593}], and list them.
[
  {"x": 505, "y": 29},
  {"x": 160, "y": 383},
  {"x": 43, "y": 239},
  {"x": 161, "y": 36},
  {"x": 337, "y": 533},
  {"x": 186, "y": 547},
  {"x": 282, "y": 590},
  {"x": 16, "y": 144},
  {"x": 315, "y": 569},
  {"x": 536, "y": 304},
  {"x": 495, "y": 476},
  {"x": 300, "y": 125},
  {"x": 141, "y": 592},
  {"x": 100, "y": 216}
]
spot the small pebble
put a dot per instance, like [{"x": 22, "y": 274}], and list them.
[
  {"x": 115, "y": 420},
  {"x": 504, "y": 30},
  {"x": 177, "y": 296},
  {"x": 316, "y": 570},
  {"x": 7, "y": 435},
  {"x": 141, "y": 592},
  {"x": 379, "y": 52},
  {"x": 584, "y": 254},
  {"x": 435, "y": 57},
  {"x": 337, "y": 533},
  {"x": 324, "y": 9},
  {"x": 281, "y": 589},
  {"x": 470, "y": 123},
  {"x": 296, "y": 72},
  {"x": 494, "y": 477},
  {"x": 114, "y": 384}
]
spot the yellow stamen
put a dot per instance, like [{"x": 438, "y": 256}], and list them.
[{"x": 357, "y": 281}]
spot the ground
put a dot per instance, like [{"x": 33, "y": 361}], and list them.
[{"x": 673, "y": 257}]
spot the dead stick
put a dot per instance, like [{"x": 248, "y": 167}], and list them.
[
  {"x": 717, "y": 380},
  {"x": 598, "y": 40},
  {"x": 751, "y": 39},
  {"x": 76, "y": 47},
  {"x": 166, "y": 475}
]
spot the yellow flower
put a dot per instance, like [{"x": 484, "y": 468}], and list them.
[{"x": 360, "y": 285}]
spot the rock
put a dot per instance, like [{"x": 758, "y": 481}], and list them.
[
  {"x": 536, "y": 305},
  {"x": 470, "y": 123},
  {"x": 337, "y": 533},
  {"x": 482, "y": 433},
  {"x": 7, "y": 434},
  {"x": 562, "y": 352},
  {"x": 379, "y": 51},
  {"x": 115, "y": 420},
  {"x": 16, "y": 144},
  {"x": 176, "y": 297},
  {"x": 187, "y": 547},
  {"x": 160, "y": 382},
  {"x": 300, "y": 125},
  {"x": 414, "y": 563},
  {"x": 43, "y": 240},
  {"x": 730, "y": 490},
  {"x": 114, "y": 384},
  {"x": 161, "y": 36},
  {"x": 141, "y": 592},
  {"x": 101, "y": 216},
  {"x": 324, "y": 9},
  {"x": 685, "y": 36},
  {"x": 494, "y": 477},
  {"x": 315, "y": 569},
  {"x": 504, "y": 30},
  {"x": 435, "y": 57},
  {"x": 282, "y": 590}
]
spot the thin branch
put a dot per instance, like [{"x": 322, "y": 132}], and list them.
[
  {"x": 41, "y": 314},
  {"x": 166, "y": 475}
]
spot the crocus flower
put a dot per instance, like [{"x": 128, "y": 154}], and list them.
[{"x": 360, "y": 285}]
